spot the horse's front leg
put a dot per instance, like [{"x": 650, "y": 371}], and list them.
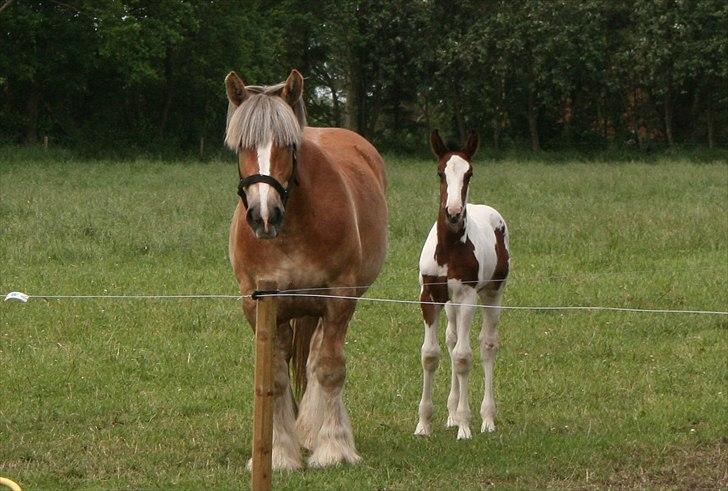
[
  {"x": 430, "y": 358},
  {"x": 335, "y": 440},
  {"x": 451, "y": 337},
  {"x": 488, "y": 348},
  {"x": 286, "y": 450},
  {"x": 310, "y": 416},
  {"x": 463, "y": 357}
]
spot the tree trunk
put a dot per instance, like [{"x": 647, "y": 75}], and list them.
[
  {"x": 711, "y": 126},
  {"x": 533, "y": 122},
  {"x": 31, "y": 129},
  {"x": 668, "y": 115},
  {"x": 336, "y": 106},
  {"x": 168, "y": 92},
  {"x": 353, "y": 109},
  {"x": 496, "y": 132}
]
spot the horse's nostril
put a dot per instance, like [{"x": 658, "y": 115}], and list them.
[{"x": 277, "y": 216}]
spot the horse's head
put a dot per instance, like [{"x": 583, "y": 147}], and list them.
[
  {"x": 455, "y": 170},
  {"x": 264, "y": 128}
]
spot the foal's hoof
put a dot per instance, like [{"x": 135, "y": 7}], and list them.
[
  {"x": 488, "y": 426},
  {"x": 464, "y": 432},
  {"x": 423, "y": 429},
  {"x": 451, "y": 423}
]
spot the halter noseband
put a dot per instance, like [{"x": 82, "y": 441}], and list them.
[{"x": 284, "y": 193}]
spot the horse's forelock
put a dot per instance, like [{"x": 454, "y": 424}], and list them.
[{"x": 264, "y": 117}]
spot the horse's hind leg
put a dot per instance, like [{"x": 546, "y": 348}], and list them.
[
  {"x": 286, "y": 451},
  {"x": 430, "y": 357},
  {"x": 488, "y": 348},
  {"x": 335, "y": 441}
]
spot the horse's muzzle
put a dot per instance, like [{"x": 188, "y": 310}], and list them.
[{"x": 265, "y": 228}]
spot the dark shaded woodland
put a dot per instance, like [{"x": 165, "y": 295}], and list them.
[{"x": 530, "y": 74}]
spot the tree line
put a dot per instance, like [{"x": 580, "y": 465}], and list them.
[{"x": 139, "y": 74}]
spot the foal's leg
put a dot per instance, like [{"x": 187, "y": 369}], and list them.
[
  {"x": 430, "y": 357},
  {"x": 488, "y": 348},
  {"x": 451, "y": 337},
  {"x": 335, "y": 442},
  {"x": 463, "y": 357},
  {"x": 286, "y": 452}
]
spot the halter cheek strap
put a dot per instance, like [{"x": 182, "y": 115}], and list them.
[{"x": 284, "y": 193}]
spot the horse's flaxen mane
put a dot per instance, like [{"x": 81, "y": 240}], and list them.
[{"x": 263, "y": 117}]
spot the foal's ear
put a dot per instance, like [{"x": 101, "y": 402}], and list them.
[
  {"x": 293, "y": 89},
  {"x": 235, "y": 88},
  {"x": 471, "y": 145},
  {"x": 436, "y": 144}
]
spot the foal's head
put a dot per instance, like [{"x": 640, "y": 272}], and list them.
[
  {"x": 264, "y": 127},
  {"x": 455, "y": 170}
]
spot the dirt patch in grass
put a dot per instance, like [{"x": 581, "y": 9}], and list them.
[{"x": 699, "y": 466}]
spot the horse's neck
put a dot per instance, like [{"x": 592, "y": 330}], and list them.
[{"x": 447, "y": 239}]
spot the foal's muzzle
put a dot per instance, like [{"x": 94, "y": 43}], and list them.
[
  {"x": 454, "y": 221},
  {"x": 265, "y": 228}
]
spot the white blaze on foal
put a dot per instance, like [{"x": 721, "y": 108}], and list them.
[{"x": 464, "y": 257}]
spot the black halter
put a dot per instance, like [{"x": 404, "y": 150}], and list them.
[{"x": 284, "y": 193}]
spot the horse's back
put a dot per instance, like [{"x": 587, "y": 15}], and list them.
[{"x": 349, "y": 150}]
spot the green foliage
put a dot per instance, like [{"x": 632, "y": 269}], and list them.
[{"x": 134, "y": 75}]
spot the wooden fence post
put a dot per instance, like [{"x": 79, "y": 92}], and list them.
[
  {"x": 265, "y": 331},
  {"x": 202, "y": 147},
  {"x": 45, "y": 142}
]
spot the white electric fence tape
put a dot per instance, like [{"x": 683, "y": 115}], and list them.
[{"x": 23, "y": 297}]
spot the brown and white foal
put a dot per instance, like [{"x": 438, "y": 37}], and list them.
[{"x": 465, "y": 256}]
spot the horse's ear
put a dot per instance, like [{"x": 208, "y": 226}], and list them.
[
  {"x": 471, "y": 145},
  {"x": 436, "y": 144},
  {"x": 235, "y": 88},
  {"x": 293, "y": 89}
]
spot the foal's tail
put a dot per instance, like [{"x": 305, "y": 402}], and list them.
[{"x": 303, "y": 329}]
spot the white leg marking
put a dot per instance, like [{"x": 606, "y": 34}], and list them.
[
  {"x": 335, "y": 443},
  {"x": 430, "y": 357},
  {"x": 463, "y": 358},
  {"x": 310, "y": 413},
  {"x": 333, "y": 440},
  {"x": 488, "y": 348},
  {"x": 451, "y": 337}
]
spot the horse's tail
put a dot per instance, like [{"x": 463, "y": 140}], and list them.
[{"x": 303, "y": 329}]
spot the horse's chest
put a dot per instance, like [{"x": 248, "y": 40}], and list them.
[{"x": 459, "y": 261}]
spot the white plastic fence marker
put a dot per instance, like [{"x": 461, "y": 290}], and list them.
[{"x": 19, "y": 296}]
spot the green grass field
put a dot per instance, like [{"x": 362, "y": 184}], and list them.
[{"x": 98, "y": 394}]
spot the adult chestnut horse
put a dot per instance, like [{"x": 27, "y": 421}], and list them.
[{"x": 312, "y": 215}]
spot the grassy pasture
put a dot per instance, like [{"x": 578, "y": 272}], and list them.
[{"x": 157, "y": 394}]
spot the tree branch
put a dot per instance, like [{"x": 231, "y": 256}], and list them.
[{"x": 5, "y": 5}]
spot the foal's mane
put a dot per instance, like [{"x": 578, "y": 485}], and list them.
[{"x": 264, "y": 117}]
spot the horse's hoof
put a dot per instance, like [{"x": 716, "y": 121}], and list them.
[
  {"x": 464, "y": 432},
  {"x": 329, "y": 455},
  {"x": 488, "y": 426},
  {"x": 451, "y": 423},
  {"x": 423, "y": 429},
  {"x": 280, "y": 463}
]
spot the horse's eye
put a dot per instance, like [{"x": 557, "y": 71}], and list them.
[{"x": 440, "y": 174}]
